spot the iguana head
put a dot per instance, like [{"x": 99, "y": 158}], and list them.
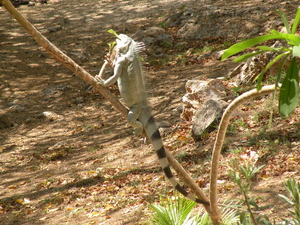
[{"x": 123, "y": 42}]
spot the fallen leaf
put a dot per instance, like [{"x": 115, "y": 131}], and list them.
[
  {"x": 93, "y": 214},
  {"x": 12, "y": 187},
  {"x": 19, "y": 201},
  {"x": 53, "y": 210},
  {"x": 92, "y": 172},
  {"x": 32, "y": 168},
  {"x": 29, "y": 211},
  {"x": 43, "y": 218},
  {"x": 107, "y": 207}
]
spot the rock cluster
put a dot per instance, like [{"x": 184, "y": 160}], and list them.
[{"x": 204, "y": 104}]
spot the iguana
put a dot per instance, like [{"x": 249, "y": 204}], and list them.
[{"x": 126, "y": 62}]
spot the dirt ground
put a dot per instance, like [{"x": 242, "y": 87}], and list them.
[{"x": 83, "y": 165}]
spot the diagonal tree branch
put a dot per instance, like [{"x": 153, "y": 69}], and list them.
[
  {"x": 63, "y": 58},
  {"x": 79, "y": 71}
]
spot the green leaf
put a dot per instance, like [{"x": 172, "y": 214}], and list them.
[
  {"x": 175, "y": 211},
  {"x": 267, "y": 48},
  {"x": 229, "y": 216},
  {"x": 285, "y": 21},
  {"x": 278, "y": 50},
  {"x": 111, "y": 45},
  {"x": 280, "y": 71},
  {"x": 296, "y": 21},
  {"x": 111, "y": 31},
  {"x": 296, "y": 51},
  {"x": 289, "y": 91},
  {"x": 261, "y": 75},
  {"x": 290, "y": 37},
  {"x": 257, "y": 168},
  {"x": 236, "y": 48},
  {"x": 286, "y": 199},
  {"x": 247, "y": 56},
  {"x": 264, "y": 220},
  {"x": 253, "y": 203}
]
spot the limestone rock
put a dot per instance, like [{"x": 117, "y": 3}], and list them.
[
  {"x": 49, "y": 116},
  {"x": 199, "y": 91},
  {"x": 207, "y": 116},
  {"x": 204, "y": 104}
]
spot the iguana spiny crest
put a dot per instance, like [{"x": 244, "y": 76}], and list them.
[{"x": 126, "y": 62}]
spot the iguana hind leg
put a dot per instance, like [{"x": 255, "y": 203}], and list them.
[{"x": 133, "y": 115}]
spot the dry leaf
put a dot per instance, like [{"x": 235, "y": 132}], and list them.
[
  {"x": 19, "y": 201},
  {"x": 11, "y": 187}
]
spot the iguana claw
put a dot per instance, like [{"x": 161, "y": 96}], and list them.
[{"x": 99, "y": 80}]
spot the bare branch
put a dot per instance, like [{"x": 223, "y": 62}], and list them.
[
  {"x": 188, "y": 180},
  {"x": 79, "y": 71},
  {"x": 216, "y": 215}
]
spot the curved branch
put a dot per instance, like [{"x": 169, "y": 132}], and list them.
[{"x": 220, "y": 140}]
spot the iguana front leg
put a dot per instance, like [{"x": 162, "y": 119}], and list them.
[
  {"x": 101, "y": 72},
  {"x": 115, "y": 77},
  {"x": 110, "y": 59}
]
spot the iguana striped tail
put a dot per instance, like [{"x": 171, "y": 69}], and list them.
[{"x": 153, "y": 133}]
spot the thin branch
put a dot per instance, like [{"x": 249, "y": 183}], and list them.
[
  {"x": 220, "y": 140},
  {"x": 188, "y": 180}
]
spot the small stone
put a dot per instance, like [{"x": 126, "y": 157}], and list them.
[
  {"x": 218, "y": 54},
  {"x": 48, "y": 116},
  {"x": 28, "y": 120},
  {"x": 79, "y": 100},
  {"x": 17, "y": 108},
  {"x": 153, "y": 31},
  {"x": 5, "y": 122}
]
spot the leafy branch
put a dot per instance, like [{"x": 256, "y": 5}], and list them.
[{"x": 289, "y": 90}]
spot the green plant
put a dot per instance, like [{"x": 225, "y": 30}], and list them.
[
  {"x": 180, "y": 211},
  {"x": 289, "y": 90},
  {"x": 177, "y": 212},
  {"x": 166, "y": 45},
  {"x": 239, "y": 90},
  {"x": 242, "y": 177},
  {"x": 236, "y": 125},
  {"x": 181, "y": 156},
  {"x": 163, "y": 25},
  {"x": 112, "y": 44},
  {"x": 203, "y": 50},
  {"x": 293, "y": 188}
]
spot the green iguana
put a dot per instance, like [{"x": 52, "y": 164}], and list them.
[{"x": 126, "y": 62}]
